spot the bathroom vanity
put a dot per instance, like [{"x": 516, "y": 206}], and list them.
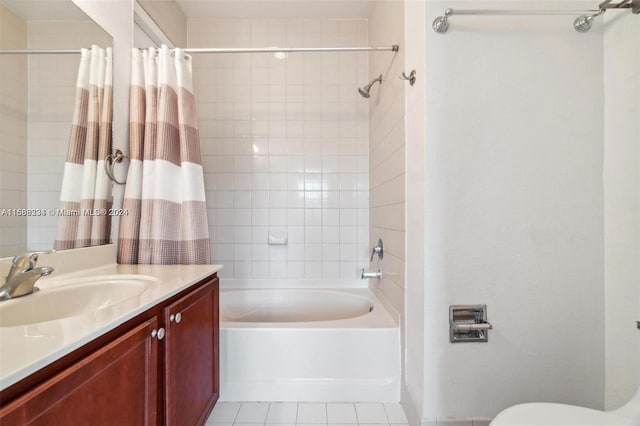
[{"x": 149, "y": 360}]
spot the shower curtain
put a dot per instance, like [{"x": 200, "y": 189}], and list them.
[
  {"x": 85, "y": 197},
  {"x": 164, "y": 197}
]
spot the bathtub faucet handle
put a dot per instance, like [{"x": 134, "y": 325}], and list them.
[
  {"x": 377, "y": 249},
  {"x": 366, "y": 275}
]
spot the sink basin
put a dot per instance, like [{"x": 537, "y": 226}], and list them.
[{"x": 62, "y": 299}]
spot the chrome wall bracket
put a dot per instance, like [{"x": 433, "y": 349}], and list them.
[
  {"x": 411, "y": 78},
  {"x": 468, "y": 323},
  {"x": 109, "y": 163}
]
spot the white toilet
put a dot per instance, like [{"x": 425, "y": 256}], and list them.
[{"x": 549, "y": 414}]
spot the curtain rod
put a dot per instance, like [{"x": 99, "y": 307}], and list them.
[
  {"x": 582, "y": 23},
  {"x": 522, "y": 12},
  {"x": 393, "y": 48},
  {"x": 37, "y": 51}
]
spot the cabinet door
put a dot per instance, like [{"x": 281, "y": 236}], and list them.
[
  {"x": 116, "y": 385},
  {"x": 191, "y": 383}
]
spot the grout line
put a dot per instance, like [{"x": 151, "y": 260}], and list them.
[
  {"x": 235, "y": 418},
  {"x": 266, "y": 417}
]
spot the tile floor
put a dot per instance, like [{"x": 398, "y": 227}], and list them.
[{"x": 306, "y": 414}]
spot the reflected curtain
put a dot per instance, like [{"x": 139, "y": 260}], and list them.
[
  {"x": 85, "y": 197},
  {"x": 164, "y": 197}
]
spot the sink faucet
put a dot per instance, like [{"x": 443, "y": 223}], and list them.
[{"x": 23, "y": 275}]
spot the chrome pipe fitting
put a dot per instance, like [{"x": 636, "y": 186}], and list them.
[{"x": 368, "y": 275}]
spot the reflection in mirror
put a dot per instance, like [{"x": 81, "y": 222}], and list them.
[{"x": 37, "y": 100}]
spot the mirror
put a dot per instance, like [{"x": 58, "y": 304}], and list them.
[{"x": 37, "y": 101}]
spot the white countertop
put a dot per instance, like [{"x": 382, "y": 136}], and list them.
[{"x": 27, "y": 348}]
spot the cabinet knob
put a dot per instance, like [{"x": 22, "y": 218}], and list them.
[
  {"x": 177, "y": 317},
  {"x": 159, "y": 334}
]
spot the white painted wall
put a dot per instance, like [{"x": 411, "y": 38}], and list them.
[
  {"x": 514, "y": 211},
  {"x": 622, "y": 205},
  {"x": 415, "y": 107},
  {"x": 169, "y": 17}
]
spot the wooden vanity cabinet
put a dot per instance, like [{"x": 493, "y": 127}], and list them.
[
  {"x": 116, "y": 385},
  {"x": 191, "y": 357},
  {"x": 159, "y": 368}
]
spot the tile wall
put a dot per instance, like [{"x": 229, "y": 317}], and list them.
[
  {"x": 387, "y": 149},
  {"x": 13, "y": 133},
  {"x": 285, "y": 147},
  {"x": 52, "y": 90}
]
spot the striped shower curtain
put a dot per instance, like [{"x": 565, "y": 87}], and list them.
[
  {"x": 85, "y": 197},
  {"x": 164, "y": 196}
]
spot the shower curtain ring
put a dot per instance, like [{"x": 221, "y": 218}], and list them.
[{"x": 110, "y": 161}]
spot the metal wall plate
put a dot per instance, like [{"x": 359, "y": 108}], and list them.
[{"x": 468, "y": 323}]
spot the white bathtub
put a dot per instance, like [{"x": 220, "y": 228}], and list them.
[{"x": 307, "y": 345}]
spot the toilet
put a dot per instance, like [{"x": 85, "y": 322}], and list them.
[{"x": 550, "y": 414}]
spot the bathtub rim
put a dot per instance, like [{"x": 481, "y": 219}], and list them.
[{"x": 379, "y": 317}]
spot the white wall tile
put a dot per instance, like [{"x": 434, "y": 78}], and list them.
[
  {"x": 259, "y": 269},
  {"x": 281, "y": 147},
  {"x": 295, "y": 270},
  {"x": 313, "y": 270},
  {"x": 386, "y": 134}
]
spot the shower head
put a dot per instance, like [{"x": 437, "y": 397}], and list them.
[{"x": 364, "y": 91}]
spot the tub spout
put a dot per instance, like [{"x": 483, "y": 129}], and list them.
[{"x": 366, "y": 275}]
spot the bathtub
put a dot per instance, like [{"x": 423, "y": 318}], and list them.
[{"x": 307, "y": 345}]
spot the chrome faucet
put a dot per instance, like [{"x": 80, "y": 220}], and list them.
[
  {"x": 378, "y": 249},
  {"x": 23, "y": 275},
  {"x": 368, "y": 275}
]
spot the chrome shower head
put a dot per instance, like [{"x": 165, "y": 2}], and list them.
[{"x": 364, "y": 91}]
